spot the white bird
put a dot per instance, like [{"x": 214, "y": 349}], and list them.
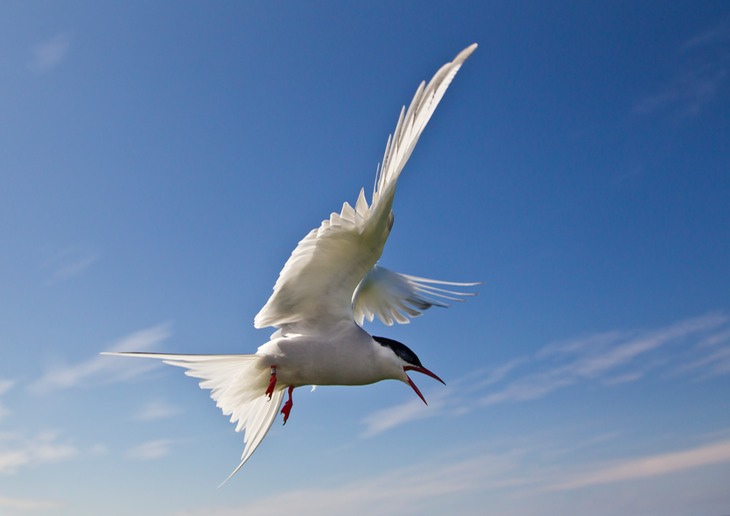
[{"x": 329, "y": 285}]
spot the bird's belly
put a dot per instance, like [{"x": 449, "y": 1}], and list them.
[{"x": 298, "y": 363}]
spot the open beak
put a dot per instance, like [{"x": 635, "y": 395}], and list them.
[{"x": 424, "y": 371}]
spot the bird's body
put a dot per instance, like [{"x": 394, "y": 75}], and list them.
[
  {"x": 326, "y": 290},
  {"x": 344, "y": 355}
]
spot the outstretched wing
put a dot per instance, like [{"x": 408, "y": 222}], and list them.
[
  {"x": 237, "y": 385},
  {"x": 316, "y": 285},
  {"x": 395, "y": 297}
]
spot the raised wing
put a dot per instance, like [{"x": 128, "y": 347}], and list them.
[
  {"x": 395, "y": 297},
  {"x": 316, "y": 285}
]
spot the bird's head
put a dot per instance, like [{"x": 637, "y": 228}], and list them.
[{"x": 407, "y": 361}]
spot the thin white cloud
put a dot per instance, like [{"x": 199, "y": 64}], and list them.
[
  {"x": 486, "y": 377},
  {"x": 717, "y": 34},
  {"x": 714, "y": 363},
  {"x": 582, "y": 344},
  {"x": 581, "y": 445},
  {"x": 529, "y": 388},
  {"x": 98, "y": 450},
  {"x": 453, "y": 400},
  {"x": 512, "y": 477},
  {"x": 70, "y": 262},
  {"x": 408, "y": 490},
  {"x": 600, "y": 358},
  {"x": 608, "y": 358},
  {"x": 650, "y": 466},
  {"x": 626, "y": 352},
  {"x": 28, "y": 504},
  {"x": 624, "y": 378},
  {"x": 385, "y": 419},
  {"x": 18, "y": 451},
  {"x": 104, "y": 368},
  {"x": 5, "y": 386},
  {"x": 720, "y": 337},
  {"x": 688, "y": 93},
  {"x": 701, "y": 74},
  {"x": 151, "y": 450},
  {"x": 49, "y": 54},
  {"x": 156, "y": 409}
]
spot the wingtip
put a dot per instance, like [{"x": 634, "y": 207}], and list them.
[
  {"x": 231, "y": 475},
  {"x": 142, "y": 354},
  {"x": 464, "y": 54}
]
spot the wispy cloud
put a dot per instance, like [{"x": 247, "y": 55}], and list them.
[
  {"x": 608, "y": 358},
  {"x": 104, "y": 368},
  {"x": 720, "y": 337},
  {"x": 156, "y": 409},
  {"x": 49, "y": 54},
  {"x": 71, "y": 261},
  {"x": 151, "y": 450},
  {"x": 5, "y": 386},
  {"x": 648, "y": 466},
  {"x": 714, "y": 363},
  {"x": 516, "y": 480},
  {"x": 601, "y": 357},
  {"x": 18, "y": 451},
  {"x": 453, "y": 400},
  {"x": 704, "y": 66},
  {"x": 403, "y": 491},
  {"x": 688, "y": 93},
  {"x": 28, "y": 504},
  {"x": 717, "y": 34},
  {"x": 413, "y": 410}
]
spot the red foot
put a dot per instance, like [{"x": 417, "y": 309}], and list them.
[
  {"x": 288, "y": 405},
  {"x": 272, "y": 383}
]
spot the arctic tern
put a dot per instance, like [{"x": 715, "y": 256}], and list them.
[{"x": 327, "y": 288}]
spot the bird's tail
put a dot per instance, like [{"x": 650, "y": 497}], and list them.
[{"x": 237, "y": 384}]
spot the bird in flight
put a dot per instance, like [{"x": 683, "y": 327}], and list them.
[{"x": 328, "y": 287}]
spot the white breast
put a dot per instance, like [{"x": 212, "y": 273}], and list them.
[{"x": 340, "y": 356}]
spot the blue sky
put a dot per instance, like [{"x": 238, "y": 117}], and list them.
[{"x": 159, "y": 162}]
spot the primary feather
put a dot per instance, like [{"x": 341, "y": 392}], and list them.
[
  {"x": 316, "y": 285},
  {"x": 395, "y": 297}
]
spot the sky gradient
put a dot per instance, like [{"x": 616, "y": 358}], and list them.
[{"x": 160, "y": 161}]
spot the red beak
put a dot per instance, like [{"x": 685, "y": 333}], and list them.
[{"x": 424, "y": 371}]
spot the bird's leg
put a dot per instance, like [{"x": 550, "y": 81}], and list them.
[
  {"x": 272, "y": 383},
  {"x": 288, "y": 405}
]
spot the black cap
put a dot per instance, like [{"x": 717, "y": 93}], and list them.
[{"x": 400, "y": 349}]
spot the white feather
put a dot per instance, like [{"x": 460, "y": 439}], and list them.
[
  {"x": 237, "y": 383},
  {"x": 395, "y": 297},
  {"x": 315, "y": 288}
]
